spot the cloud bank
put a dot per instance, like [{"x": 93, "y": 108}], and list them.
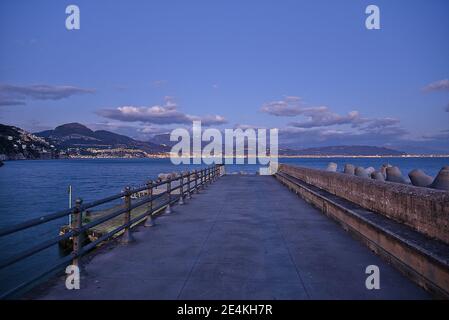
[
  {"x": 322, "y": 125},
  {"x": 323, "y": 116},
  {"x": 11, "y": 95},
  {"x": 165, "y": 114}
]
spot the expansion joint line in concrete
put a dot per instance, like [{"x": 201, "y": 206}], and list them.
[
  {"x": 298, "y": 272},
  {"x": 199, "y": 254}
]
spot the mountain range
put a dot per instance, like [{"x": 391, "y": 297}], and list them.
[
  {"x": 164, "y": 139},
  {"x": 76, "y": 135},
  {"x": 75, "y": 139},
  {"x": 344, "y": 151}
]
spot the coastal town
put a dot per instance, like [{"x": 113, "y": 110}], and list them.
[{"x": 18, "y": 144}]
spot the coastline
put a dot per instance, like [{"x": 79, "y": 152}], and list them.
[
  {"x": 246, "y": 157},
  {"x": 370, "y": 156}
]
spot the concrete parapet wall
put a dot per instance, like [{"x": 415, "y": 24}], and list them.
[
  {"x": 425, "y": 210},
  {"x": 423, "y": 260}
]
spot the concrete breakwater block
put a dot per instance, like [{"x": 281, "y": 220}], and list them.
[
  {"x": 332, "y": 167},
  {"x": 419, "y": 178},
  {"x": 162, "y": 176},
  {"x": 166, "y": 176},
  {"x": 377, "y": 175},
  {"x": 361, "y": 172},
  {"x": 349, "y": 169},
  {"x": 370, "y": 170},
  {"x": 383, "y": 169},
  {"x": 441, "y": 181},
  {"x": 394, "y": 174}
]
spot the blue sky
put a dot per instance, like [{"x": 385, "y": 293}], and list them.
[{"x": 309, "y": 68}]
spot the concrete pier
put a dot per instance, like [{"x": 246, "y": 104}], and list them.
[{"x": 244, "y": 237}]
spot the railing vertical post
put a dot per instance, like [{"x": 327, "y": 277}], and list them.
[
  {"x": 181, "y": 189},
  {"x": 168, "y": 208},
  {"x": 188, "y": 186},
  {"x": 195, "y": 172},
  {"x": 127, "y": 235},
  {"x": 77, "y": 222},
  {"x": 150, "y": 220},
  {"x": 203, "y": 178},
  {"x": 210, "y": 175}
]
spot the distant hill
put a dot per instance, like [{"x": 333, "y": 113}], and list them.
[
  {"x": 344, "y": 151},
  {"x": 424, "y": 149},
  {"x": 164, "y": 139},
  {"x": 76, "y": 135},
  {"x": 18, "y": 144}
]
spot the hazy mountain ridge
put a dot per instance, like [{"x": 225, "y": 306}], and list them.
[
  {"x": 345, "y": 151},
  {"x": 356, "y": 150}
]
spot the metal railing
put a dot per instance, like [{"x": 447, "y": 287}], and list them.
[{"x": 188, "y": 182}]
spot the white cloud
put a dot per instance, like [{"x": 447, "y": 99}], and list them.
[
  {"x": 440, "y": 85},
  {"x": 159, "y": 114},
  {"x": 290, "y": 106},
  {"x": 323, "y": 117}
]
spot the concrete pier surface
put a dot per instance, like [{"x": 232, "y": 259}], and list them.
[{"x": 244, "y": 237}]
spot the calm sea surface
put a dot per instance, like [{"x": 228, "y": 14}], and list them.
[{"x": 30, "y": 189}]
